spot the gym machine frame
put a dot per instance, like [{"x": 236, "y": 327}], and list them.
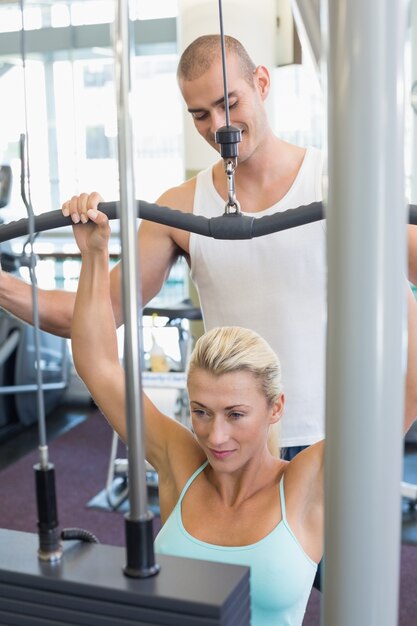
[
  {"x": 366, "y": 217},
  {"x": 86, "y": 583}
]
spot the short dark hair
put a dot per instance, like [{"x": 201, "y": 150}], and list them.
[{"x": 198, "y": 57}]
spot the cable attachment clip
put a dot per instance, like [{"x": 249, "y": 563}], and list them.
[
  {"x": 228, "y": 137},
  {"x": 232, "y": 205}
]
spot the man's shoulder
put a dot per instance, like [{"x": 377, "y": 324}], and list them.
[{"x": 180, "y": 197}]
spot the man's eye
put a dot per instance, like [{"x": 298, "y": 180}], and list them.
[
  {"x": 232, "y": 104},
  {"x": 199, "y": 116}
]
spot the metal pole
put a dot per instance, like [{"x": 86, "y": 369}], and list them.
[
  {"x": 307, "y": 18},
  {"x": 413, "y": 99},
  {"x": 139, "y": 539},
  {"x": 366, "y": 222}
]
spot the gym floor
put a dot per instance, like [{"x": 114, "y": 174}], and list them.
[{"x": 21, "y": 443}]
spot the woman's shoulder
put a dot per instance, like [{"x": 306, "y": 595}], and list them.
[
  {"x": 306, "y": 466},
  {"x": 184, "y": 463},
  {"x": 304, "y": 498},
  {"x": 184, "y": 457},
  {"x": 303, "y": 480}
]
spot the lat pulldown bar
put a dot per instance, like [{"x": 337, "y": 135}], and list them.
[{"x": 226, "y": 226}]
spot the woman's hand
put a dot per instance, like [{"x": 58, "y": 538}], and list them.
[
  {"x": 93, "y": 236},
  {"x": 78, "y": 206},
  {"x": 91, "y": 226}
]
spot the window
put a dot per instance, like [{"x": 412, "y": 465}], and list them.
[
  {"x": 69, "y": 113},
  {"x": 98, "y": 145}
]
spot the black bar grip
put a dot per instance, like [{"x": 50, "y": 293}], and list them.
[{"x": 227, "y": 226}]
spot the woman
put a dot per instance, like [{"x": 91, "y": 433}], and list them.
[{"x": 223, "y": 495}]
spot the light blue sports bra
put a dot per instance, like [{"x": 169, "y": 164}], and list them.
[{"x": 281, "y": 572}]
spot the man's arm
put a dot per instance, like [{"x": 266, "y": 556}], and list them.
[
  {"x": 158, "y": 250},
  {"x": 159, "y": 246},
  {"x": 55, "y": 306}
]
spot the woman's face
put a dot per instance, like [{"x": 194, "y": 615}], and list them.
[{"x": 230, "y": 417}]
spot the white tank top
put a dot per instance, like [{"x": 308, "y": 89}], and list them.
[{"x": 275, "y": 285}]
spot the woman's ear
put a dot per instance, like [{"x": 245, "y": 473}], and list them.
[
  {"x": 278, "y": 409},
  {"x": 262, "y": 81}
]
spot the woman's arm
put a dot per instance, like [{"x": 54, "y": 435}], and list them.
[
  {"x": 304, "y": 475},
  {"x": 95, "y": 350},
  {"x": 93, "y": 334},
  {"x": 412, "y": 254}
]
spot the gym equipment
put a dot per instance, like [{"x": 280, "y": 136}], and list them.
[
  {"x": 86, "y": 588},
  {"x": 5, "y": 185},
  {"x": 17, "y": 363},
  {"x": 10, "y": 332},
  {"x": 227, "y": 226},
  {"x": 366, "y": 227},
  {"x": 178, "y": 315},
  {"x": 228, "y": 137},
  {"x": 371, "y": 552},
  {"x": 83, "y": 583}
]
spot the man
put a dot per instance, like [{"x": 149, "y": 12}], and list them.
[{"x": 273, "y": 284}]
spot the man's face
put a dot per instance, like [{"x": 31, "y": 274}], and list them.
[{"x": 204, "y": 97}]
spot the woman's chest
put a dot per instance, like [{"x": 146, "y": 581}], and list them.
[{"x": 206, "y": 518}]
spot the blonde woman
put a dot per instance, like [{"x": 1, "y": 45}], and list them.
[{"x": 223, "y": 495}]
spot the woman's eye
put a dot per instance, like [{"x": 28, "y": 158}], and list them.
[
  {"x": 235, "y": 415},
  {"x": 199, "y": 413}
]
